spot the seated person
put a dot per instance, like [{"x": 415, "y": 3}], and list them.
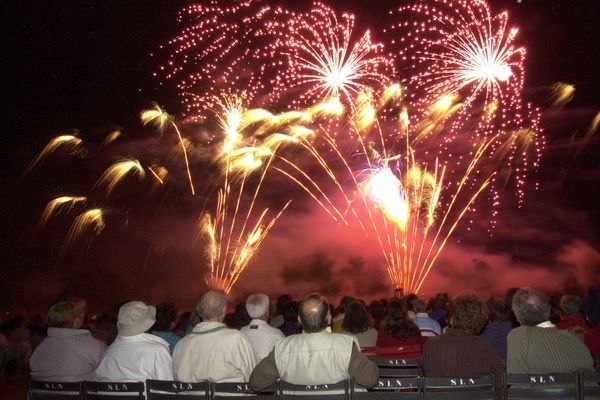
[
  {"x": 460, "y": 352},
  {"x": 499, "y": 324},
  {"x": 165, "y": 323},
  {"x": 262, "y": 335},
  {"x": 537, "y": 347},
  {"x": 356, "y": 323},
  {"x": 427, "y": 325},
  {"x": 572, "y": 317},
  {"x": 136, "y": 355},
  {"x": 211, "y": 351},
  {"x": 68, "y": 354},
  {"x": 398, "y": 329},
  {"x": 315, "y": 356}
]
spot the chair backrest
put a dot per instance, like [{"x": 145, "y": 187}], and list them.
[
  {"x": 542, "y": 386},
  {"x": 240, "y": 390},
  {"x": 589, "y": 383},
  {"x": 407, "y": 388},
  {"x": 114, "y": 390},
  {"x": 458, "y": 388},
  {"x": 394, "y": 367},
  {"x": 38, "y": 390},
  {"x": 334, "y": 391},
  {"x": 173, "y": 390}
]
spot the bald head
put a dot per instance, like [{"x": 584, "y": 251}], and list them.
[
  {"x": 212, "y": 305},
  {"x": 314, "y": 313}
]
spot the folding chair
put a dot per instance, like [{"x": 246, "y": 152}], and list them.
[
  {"x": 173, "y": 390},
  {"x": 396, "y": 367},
  {"x": 389, "y": 389},
  {"x": 38, "y": 390},
  {"x": 114, "y": 390},
  {"x": 459, "y": 388},
  {"x": 334, "y": 391},
  {"x": 239, "y": 391},
  {"x": 541, "y": 386},
  {"x": 589, "y": 385}
]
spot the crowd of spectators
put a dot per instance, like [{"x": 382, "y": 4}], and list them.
[{"x": 308, "y": 341}]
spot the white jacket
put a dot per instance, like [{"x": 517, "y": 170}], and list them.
[
  {"x": 214, "y": 352},
  {"x": 314, "y": 358},
  {"x": 262, "y": 336},
  {"x": 135, "y": 359},
  {"x": 66, "y": 355}
]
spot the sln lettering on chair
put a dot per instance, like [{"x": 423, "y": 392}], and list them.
[
  {"x": 397, "y": 362},
  {"x": 181, "y": 386},
  {"x": 462, "y": 382},
  {"x": 117, "y": 387},
  {"x": 542, "y": 379},
  {"x": 53, "y": 386}
]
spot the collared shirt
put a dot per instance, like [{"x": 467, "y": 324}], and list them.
[
  {"x": 213, "y": 352},
  {"x": 428, "y": 326},
  {"x": 66, "y": 355},
  {"x": 262, "y": 336},
  {"x": 546, "y": 324},
  {"x": 135, "y": 359}
]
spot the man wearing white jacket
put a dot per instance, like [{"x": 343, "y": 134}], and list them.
[
  {"x": 212, "y": 351},
  {"x": 69, "y": 353},
  {"x": 315, "y": 356},
  {"x": 262, "y": 335},
  {"x": 136, "y": 355}
]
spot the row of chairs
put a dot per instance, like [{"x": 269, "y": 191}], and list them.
[{"x": 576, "y": 386}]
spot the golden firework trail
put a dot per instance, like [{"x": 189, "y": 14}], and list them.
[
  {"x": 91, "y": 219},
  {"x": 69, "y": 142},
  {"x": 236, "y": 229},
  {"x": 56, "y": 206},
  {"x": 561, "y": 93},
  {"x": 158, "y": 118},
  {"x": 111, "y": 137},
  {"x": 403, "y": 208},
  {"x": 159, "y": 173},
  {"x": 119, "y": 170}
]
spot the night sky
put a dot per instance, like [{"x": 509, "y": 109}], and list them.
[{"x": 87, "y": 65}]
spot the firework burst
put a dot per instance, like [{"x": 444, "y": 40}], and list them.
[
  {"x": 459, "y": 52},
  {"x": 328, "y": 58}
]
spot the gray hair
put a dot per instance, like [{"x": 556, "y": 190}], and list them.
[
  {"x": 314, "y": 313},
  {"x": 571, "y": 304},
  {"x": 212, "y": 304},
  {"x": 531, "y": 307},
  {"x": 257, "y": 305}
]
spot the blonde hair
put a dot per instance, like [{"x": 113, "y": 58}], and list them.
[{"x": 63, "y": 314}]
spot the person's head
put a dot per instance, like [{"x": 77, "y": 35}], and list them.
[
  {"x": 531, "y": 307},
  {"x": 314, "y": 313},
  {"x": 212, "y": 305},
  {"x": 469, "y": 313},
  {"x": 396, "y": 322},
  {"x": 344, "y": 304},
  {"x": 257, "y": 306},
  {"x": 135, "y": 318},
  {"x": 571, "y": 304},
  {"x": 410, "y": 301},
  {"x": 64, "y": 314},
  {"x": 498, "y": 309},
  {"x": 166, "y": 314},
  {"x": 356, "y": 319},
  {"x": 419, "y": 306}
]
